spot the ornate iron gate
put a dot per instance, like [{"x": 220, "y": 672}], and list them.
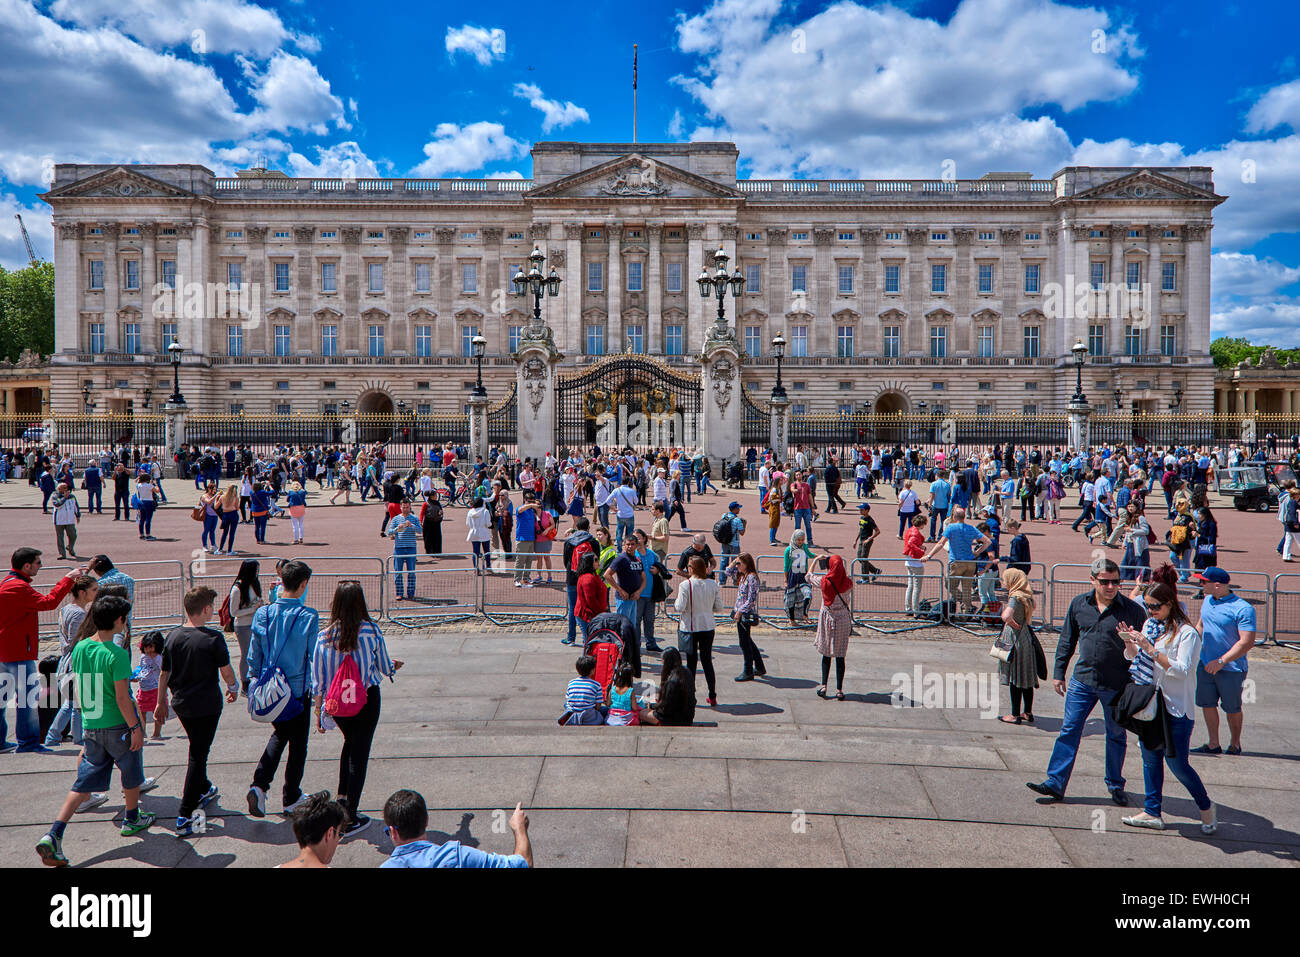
[
  {"x": 628, "y": 400},
  {"x": 503, "y": 423},
  {"x": 755, "y": 421}
]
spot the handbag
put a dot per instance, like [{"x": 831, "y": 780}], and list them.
[
  {"x": 196, "y": 513},
  {"x": 1003, "y": 646},
  {"x": 269, "y": 696},
  {"x": 685, "y": 637}
]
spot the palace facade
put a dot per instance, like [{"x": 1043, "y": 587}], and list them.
[{"x": 295, "y": 295}]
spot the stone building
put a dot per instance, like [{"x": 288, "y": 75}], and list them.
[
  {"x": 1266, "y": 386},
  {"x": 297, "y": 294}
]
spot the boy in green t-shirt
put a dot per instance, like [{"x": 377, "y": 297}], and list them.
[{"x": 112, "y": 731}]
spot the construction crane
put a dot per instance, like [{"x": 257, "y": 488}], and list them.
[{"x": 27, "y": 240}]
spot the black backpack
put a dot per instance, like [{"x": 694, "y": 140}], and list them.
[{"x": 723, "y": 530}]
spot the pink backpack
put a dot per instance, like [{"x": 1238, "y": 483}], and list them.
[{"x": 347, "y": 695}]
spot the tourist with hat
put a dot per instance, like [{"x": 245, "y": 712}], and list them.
[
  {"x": 868, "y": 532},
  {"x": 1227, "y": 627},
  {"x": 731, "y": 545}
]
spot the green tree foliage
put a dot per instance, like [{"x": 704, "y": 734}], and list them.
[
  {"x": 27, "y": 310},
  {"x": 1227, "y": 352}
]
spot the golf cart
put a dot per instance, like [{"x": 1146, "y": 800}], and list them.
[{"x": 1255, "y": 485}]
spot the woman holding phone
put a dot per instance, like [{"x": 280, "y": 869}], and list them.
[
  {"x": 1165, "y": 653},
  {"x": 834, "y": 620}
]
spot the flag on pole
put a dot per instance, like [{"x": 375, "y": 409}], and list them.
[{"x": 634, "y": 66}]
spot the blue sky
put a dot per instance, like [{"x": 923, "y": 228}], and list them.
[{"x": 803, "y": 88}]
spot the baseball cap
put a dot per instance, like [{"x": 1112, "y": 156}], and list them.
[
  {"x": 735, "y": 505},
  {"x": 1213, "y": 574},
  {"x": 864, "y": 507}
]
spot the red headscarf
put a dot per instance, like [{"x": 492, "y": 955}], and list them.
[{"x": 835, "y": 582}]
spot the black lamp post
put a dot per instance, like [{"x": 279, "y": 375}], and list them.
[
  {"x": 716, "y": 285},
  {"x": 778, "y": 350},
  {"x": 1178, "y": 400},
  {"x": 923, "y": 405},
  {"x": 175, "y": 350},
  {"x": 148, "y": 397},
  {"x": 1080, "y": 353},
  {"x": 534, "y": 281},
  {"x": 346, "y": 406},
  {"x": 1119, "y": 398},
  {"x": 85, "y": 398},
  {"x": 478, "y": 345}
]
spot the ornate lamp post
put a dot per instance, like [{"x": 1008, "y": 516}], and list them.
[
  {"x": 86, "y": 400},
  {"x": 346, "y": 406},
  {"x": 478, "y": 345},
  {"x": 716, "y": 285},
  {"x": 1119, "y": 398},
  {"x": 923, "y": 405},
  {"x": 148, "y": 397},
  {"x": 778, "y": 350},
  {"x": 1080, "y": 354},
  {"x": 1078, "y": 411},
  {"x": 1178, "y": 400},
  {"x": 175, "y": 350},
  {"x": 537, "y": 283}
]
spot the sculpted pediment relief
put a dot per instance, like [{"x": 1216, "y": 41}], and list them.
[
  {"x": 634, "y": 176},
  {"x": 120, "y": 183},
  {"x": 1145, "y": 184}
]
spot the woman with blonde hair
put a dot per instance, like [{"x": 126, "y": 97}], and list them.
[
  {"x": 297, "y": 502},
  {"x": 1026, "y": 662},
  {"x": 773, "y": 506},
  {"x": 229, "y": 512}
]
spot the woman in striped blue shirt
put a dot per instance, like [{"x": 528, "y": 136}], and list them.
[{"x": 350, "y": 632}]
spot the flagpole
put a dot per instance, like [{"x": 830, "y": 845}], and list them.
[{"x": 634, "y": 93}]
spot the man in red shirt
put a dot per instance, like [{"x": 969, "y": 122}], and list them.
[
  {"x": 20, "y": 607},
  {"x": 805, "y": 509}
]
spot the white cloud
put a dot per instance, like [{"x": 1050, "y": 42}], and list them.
[
  {"x": 1271, "y": 324},
  {"x": 1278, "y": 107},
  {"x": 554, "y": 113},
  {"x": 676, "y": 125},
  {"x": 1242, "y": 274},
  {"x": 347, "y": 160},
  {"x": 458, "y": 149},
  {"x": 505, "y": 174},
  {"x": 877, "y": 91},
  {"x": 203, "y": 26},
  {"x": 40, "y": 226},
  {"x": 482, "y": 43},
  {"x": 291, "y": 94}
]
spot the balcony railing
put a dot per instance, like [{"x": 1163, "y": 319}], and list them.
[
  {"x": 902, "y": 188},
  {"x": 370, "y": 186}
]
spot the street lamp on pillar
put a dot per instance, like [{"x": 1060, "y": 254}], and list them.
[
  {"x": 1119, "y": 398},
  {"x": 1080, "y": 353},
  {"x": 346, "y": 406},
  {"x": 778, "y": 350},
  {"x": 148, "y": 397},
  {"x": 85, "y": 398},
  {"x": 175, "y": 350},
  {"x": 716, "y": 285},
  {"x": 537, "y": 283},
  {"x": 478, "y": 345}
]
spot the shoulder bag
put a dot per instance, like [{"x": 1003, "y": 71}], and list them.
[
  {"x": 685, "y": 637},
  {"x": 269, "y": 696}
]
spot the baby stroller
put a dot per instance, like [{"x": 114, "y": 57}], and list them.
[
  {"x": 736, "y": 475},
  {"x": 606, "y": 647}
]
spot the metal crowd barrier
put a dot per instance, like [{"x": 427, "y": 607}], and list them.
[
  {"x": 326, "y": 573},
  {"x": 158, "y": 590},
  {"x": 500, "y": 602},
  {"x": 433, "y": 594},
  {"x": 879, "y": 598},
  {"x": 1286, "y": 610}
]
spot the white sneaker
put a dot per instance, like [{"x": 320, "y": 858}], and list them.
[
  {"x": 256, "y": 801},
  {"x": 1144, "y": 820},
  {"x": 303, "y": 799},
  {"x": 95, "y": 800},
  {"x": 1214, "y": 821},
  {"x": 148, "y": 785}
]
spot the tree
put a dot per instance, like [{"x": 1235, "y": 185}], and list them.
[
  {"x": 1228, "y": 351},
  {"x": 27, "y": 310}
]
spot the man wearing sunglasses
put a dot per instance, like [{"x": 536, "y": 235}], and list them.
[{"x": 1100, "y": 674}]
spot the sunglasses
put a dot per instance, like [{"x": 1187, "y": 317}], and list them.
[
  {"x": 1154, "y": 607},
  {"x": 1107, "y": 582}
]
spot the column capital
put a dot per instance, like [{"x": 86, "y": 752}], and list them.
[
  {"x": 823, "y": 236},
  {"x": 654, "y": 231},
  {"x": 111, "y": 230},
  {"x": 918, "y": 236},
  {"x": 68, "y": 230},
  {"x": 777, "y": 235},
  {"x": 351, "y": 235},
  {"x": 1009, "y": 237},
  {"x": 695, "y": 231},
  {"x": 730, "y": 231},
  {"x": 1117, "y": 231},
  {"x": 304, "y": 234},
  {"x": 870, "y": 234},
  {"x": 963, "y": 237},
  {"x": 1195, "y": 233},
  {"x": 148, "y": 231},
  {"x": 614, "y": 230},
  {"x": 1081, "y": 232},
  {"x": 444, "y": 234},
  {"x": 1052, "y": 233},
  {"x": 572, "y": 231},
  {"x": 400, "y": 234},
  {"x": 256, "y": 234}
]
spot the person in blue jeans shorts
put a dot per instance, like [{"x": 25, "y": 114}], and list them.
[
  {"x": 405, "y": 532},
  {"x": 1227, "y": 627},
  {"x": 1092, "y": 627}
]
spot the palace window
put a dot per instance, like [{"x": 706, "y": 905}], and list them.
[
  {"x": 673, "y": 277},
  {"x": 281, "y": 277},
  {"x": 168, "y": 337},
  {"x": 422, "y": 277},
  {"x": 329, "y": 234},
  {"x": 1133, "y": 340},
  {"x": 469, "y": 277},
  {"x": 754, "y": 340},
  {"x": 753, "y": 278},
  {"x": 420, "y": 234},
  {"x": 636, "y": 340},
  {"x": 96, "y": 274},
  {"x": 1033, "y": 236},
  {"x": 846, "y": 236},
  {"x": 938, "y": 278},
  {"x": 235, "y": 275},
  {"x": 754, "y": 236},
  {"x": 798, "y": 340},
  {"x": 892, "y": 341},
  {"x": 595, "y": 277},
  {"x": 97, "y": 337},
  {"x": 329, "y": 340},
  {"x": 515, "y": 234},
  {"x": 514, "y": 334},
  {"x": 893, "y": 237},
  {"x": 234, "y": 234},
  {"x": 282, "y": 340},
  {"x": 1169, "y": 277},
  {"x": 595, "y": 340},
  {"x": 132, "y": 274},
  {"x": 938, "y": 342},
  {"x": 375, "y": 271},
  {"x": 844, "y": 344},
  {"x": 1096, "y": 340},
  {"x": 469, "y": 234},
  {"x": 376, "y": 341},
  {"x": 1031, "y": 342},
  {"x": 169, "y": 273},
  {"x": 234, "y": 341},
  {"x": 984, "y": 342},
  {"x": 891, "y": 279},
  {"x": 1168, "y": 340},
  {"x": 379, "y": 234},
  {"x": 846, "y": 279},
  {"x": 1133, "y": 275},
  {"x": 1097, "y": 274},
  {"x": 673, "y": 341},
  {"x": 131, "y": 332},
  {"x": 327, "y": 281},
  {"x": 1135, "y": 234},
  {"x": 634, "y": 277},
  {"x": 986, "y": 277},
  {"x": 467, "y": 334},
  {"x": 798, "y": 235},
  {"x": 799, "y": 279},
  {"x": 938, "y": 237},
  {"x": 987, "y": 237},
  {"x": 1031, "y": 277},
  {"x": 1095, "y": 234},
  {"x": 281, "y": 234}
]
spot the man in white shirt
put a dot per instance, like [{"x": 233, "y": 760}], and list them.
[
  {"x": 625, "y": 501},
  {"x": 661, "y": 489},
  {"x": 801, "y": 460},
  {"x": 764, "y": 481},
  {"x": 1088, "y": 491}
]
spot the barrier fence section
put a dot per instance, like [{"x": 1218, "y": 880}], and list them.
[
  {"x": 158, "y": 590},
  {"x": 502, "y": 601},
  {"x": 880, "y": 597},
  {"x": 1068, "y": 581},
  {"x": 1286, "y": 610},
  {"x": 326, "y": 573},
  {"x": 433, "y": 594},
  {"x": 986, "y": 587}
]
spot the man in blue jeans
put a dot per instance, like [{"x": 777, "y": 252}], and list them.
[
  {"x": 805, "y": 509},
  {"x": 1100, "y": 674},
  {"x": 624, "y": 499},
  {"x": 940, "y": 499},
  {"x": 571, "y": 543},
  {"x": 405, "y": 532}
]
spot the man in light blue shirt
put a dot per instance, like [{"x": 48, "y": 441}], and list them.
[
  {"x": 624, "y": 499},
  {"x": 406, "y": 822},
  {"x": 940, "y": 499},
  {"x": 962, "y": 541},
  {"x": 284, "y": 635},
  {"x": 1227, "y": 627}
]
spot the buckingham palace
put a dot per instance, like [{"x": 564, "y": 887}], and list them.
[{"x": 964, "y": 295}]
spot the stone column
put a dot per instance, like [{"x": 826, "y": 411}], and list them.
[
  {"x": 149, "y": 330},
  {"x": 778, "y": 432},
  {"x": 696, "y": 320},
  {"x": 916, "y": 292},
  {"x": 536, "y": 370},
  {"x": 304, "y": 334},
  {"x": 398, "y": 284},
  {"x": 1115, "y": 281},
  {"x": 1092, "y": 313},
  {"x": 614, "y": 341},
  {"x": 1050, "y": 272},
  {"x": 69, "y": 280},
  {"x": 1155, "y": 253},
  {"x": 1077, "y": 413},
  {"x": 720, "y": 380},
  {"x": 573, "y": 286},
  {"x": 445, "y": 341},
  {"x": 961, "y": 291},
  {"x": 112, "y": 287},
  {"x": 1197, "y": 280},
  {"x": 174, "y": 430},
  {"x": 478, "y": 427},
  {"x": 822, "y": 293},
  {"x": 654, "y": 277},
  {"x": 257, "y": 331}
]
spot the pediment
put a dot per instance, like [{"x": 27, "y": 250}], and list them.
[
  {"x": 281, "y": 313},
  {"x": 375, "y": 314},
  {"x": 1033, "y": 314},
  {"x": 846, "y": 315},
  {"x": 755, "y": 315},
  {"x": 1146, "y": 185},
  {"x": 121, "y": 182},
  {"x": 326, "y": 314},
  {"x": 798, "y": 312},
  {"x": 893, "y": 315},
  {"x": 938, "y": 315},
  {"x": 634, "y": 313},
  {"x": 594, "y": 314},
  {"x": 421, "y": 314},
  {"x": 515, "y": 316},
  {"x": 987, "y": 315},
  {"x": 467, "y": 314},
  {"x": 634, "y": 176},
  {"x": 674, "y": 313}
]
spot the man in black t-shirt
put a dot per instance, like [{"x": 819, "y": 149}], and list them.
[
  {"x": 699, "y": 546},
  {"x": 193, "y": 656}
]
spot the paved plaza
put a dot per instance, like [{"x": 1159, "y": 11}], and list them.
[{"x": 773, "y": 776}]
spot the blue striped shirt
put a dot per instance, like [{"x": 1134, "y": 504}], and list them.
[
  {"x": 583, "y": 694},
  {"x": 404, "y": 529},
  {"x": 371, "y": 657},
  {"x": 1142, "y": 668}
]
